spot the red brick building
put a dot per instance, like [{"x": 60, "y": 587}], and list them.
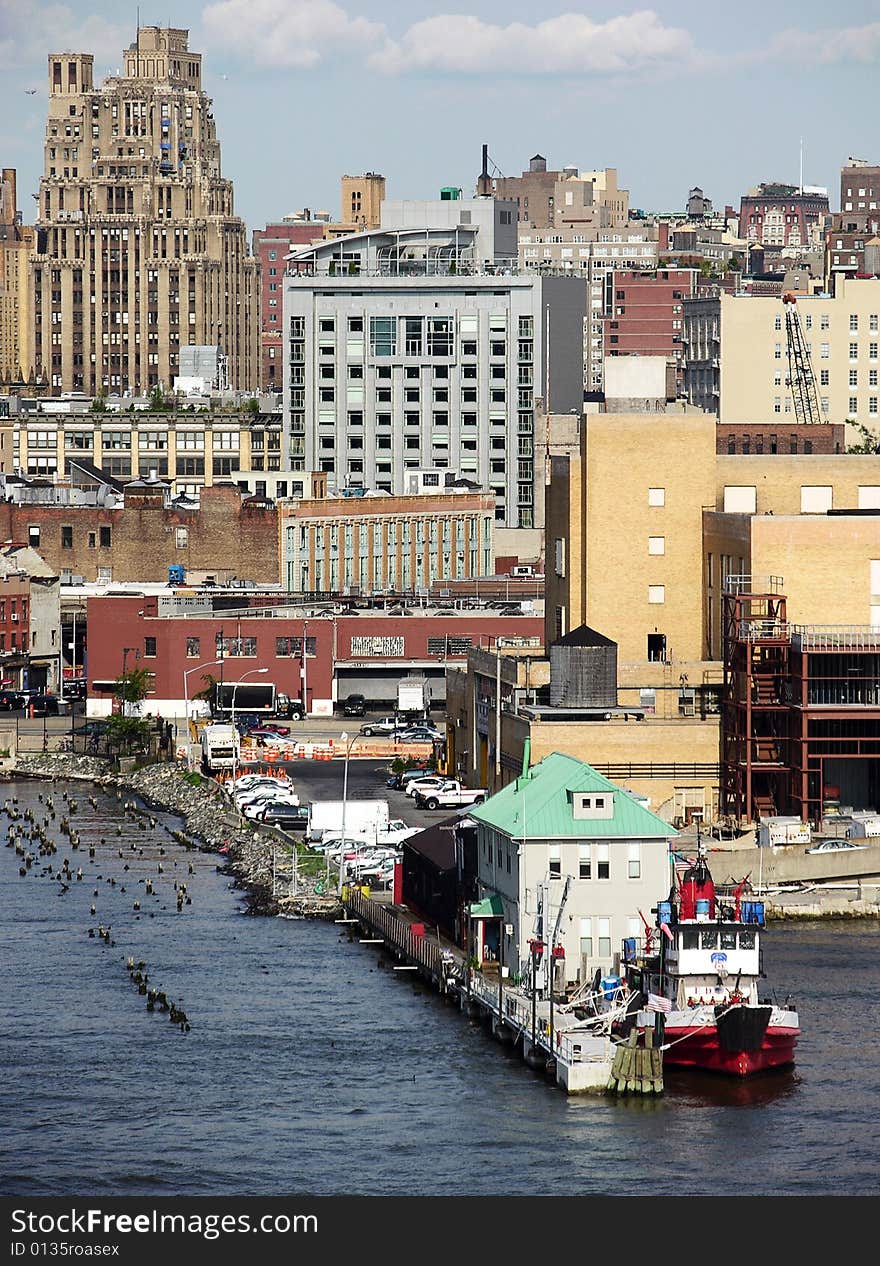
[
  {"x": 226, "y": 535},
  {"x": 644, "y": 313},
  {"x": 271, "y": 244},
  {"x": 14, "y": 626},
  {"x": 780, "y": 215},
  {"x": 367, "y": 652}
]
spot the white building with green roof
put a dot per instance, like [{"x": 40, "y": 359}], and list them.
[{"x": 561, "y": 825}]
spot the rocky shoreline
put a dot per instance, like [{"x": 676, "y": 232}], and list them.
[{"x": 211, "y": 824}]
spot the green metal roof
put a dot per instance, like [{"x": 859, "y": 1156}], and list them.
[
  {"x": 489, "y": 908},
  {"x": 537, "y": 806}
]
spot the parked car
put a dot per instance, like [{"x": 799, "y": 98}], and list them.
[
  {"x": 833, "y": 846},
  {"x": 418, "y": 734},
  {"x": 354, "y": 706},
  {"x": 269, "y": 732},
  {"x": 401, "y": 780},
  {"x": 288, "y": 817},
  {"x": 44, "y": 705},
  {"x": 384, "y": 726},
  {"x": 12, "y": 700},
  {"x": 91, "y": 728},
  {"x": 428, "y": 782}
]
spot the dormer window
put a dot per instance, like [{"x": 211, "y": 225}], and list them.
[{"x": 587, "y": 804}]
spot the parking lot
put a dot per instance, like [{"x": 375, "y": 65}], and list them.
[{"x": 323, "y": 780}]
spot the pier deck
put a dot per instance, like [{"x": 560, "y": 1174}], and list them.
[{"x": 579, "y": 1060}]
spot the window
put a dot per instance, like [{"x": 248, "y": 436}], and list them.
[
  {"x": 853, "y": 351},
  {"x": 193, "y": 647},
  {"x": 236, "y": 646},
  {"x": 634, "y": 861},
  {"x": 150, "y": 647},
  {"x": 383, "y": 336},
  {"x": 105, "y": 537},
  {"x": 584, "y": 861},
  {"x": 603, "y": 861},
  {"x": 656, "y": 593},
  {"x": 554, "y": 862},
  {"x": 586, "y": 937},
  {"x": 816, "y": 499},
  {"x": 34, "y": 536},
  {"x": 656, "y": 496},
  {"x": 181, "y": 538},
  {"x": 67, "y": 538},
  {"x": 656, "y": 544},
  {"x": 740, "y": 499},
  {"x": 853, "y": 323},
  {"x": 604, "y": 936}
]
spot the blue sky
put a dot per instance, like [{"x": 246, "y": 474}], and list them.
[{"x": 304, "y": 90}]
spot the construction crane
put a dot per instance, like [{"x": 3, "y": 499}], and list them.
[{"x": 801, "y": 378}]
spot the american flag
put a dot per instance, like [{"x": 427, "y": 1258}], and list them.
[{"x": 656, "y": 1003}]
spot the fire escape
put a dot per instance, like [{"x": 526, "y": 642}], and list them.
[{"x": 755, "y": 757}]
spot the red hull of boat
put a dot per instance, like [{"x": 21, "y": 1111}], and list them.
[{"x": 699, "y": 1048}]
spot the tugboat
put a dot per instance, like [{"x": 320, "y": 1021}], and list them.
[{"x": 699, "y": 975}]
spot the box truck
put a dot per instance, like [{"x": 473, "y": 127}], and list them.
[
  {"x": 363, "y": 818},
  {"x": 220, "y": 749},
  {"x": 413, "y": 696}
]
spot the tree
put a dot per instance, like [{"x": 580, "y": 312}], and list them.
[
  {"x": 157, "y": 399},
  {"x": 252, "y": 405},
  {"x": 870, "y": 442},
  {"x": 132, "y": 687},
  {"x": 99, "y": 404},
  {"x": 207, "y": 691}
]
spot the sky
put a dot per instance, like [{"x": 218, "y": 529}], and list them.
[{"x": 675, "y": 95}]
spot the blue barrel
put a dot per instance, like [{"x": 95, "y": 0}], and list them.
[
  {"x": 702, "y": 908},
  {"x": 664, "y": 912},
  {"x": 746, "y": 911},
  {"x": 610, "y": 985},
  {"x": 629, "y": 948},
  {"x": 758, "y": 913}
]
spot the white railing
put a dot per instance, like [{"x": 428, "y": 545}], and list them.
[{"x": 837, "y": 637}]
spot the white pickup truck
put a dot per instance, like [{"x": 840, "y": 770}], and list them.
[{"x": 449, "y": 795}]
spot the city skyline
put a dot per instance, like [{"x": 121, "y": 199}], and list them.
[{"x": 495, "y": 75}]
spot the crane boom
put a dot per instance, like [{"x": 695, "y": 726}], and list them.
[{"x": 801, "y": 378}]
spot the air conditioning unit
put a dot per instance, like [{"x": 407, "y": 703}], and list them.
[{"x": 14, "y": 618}]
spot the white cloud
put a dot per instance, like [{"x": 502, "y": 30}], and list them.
[
  {"x": 849, "y": 44},
  {"x": 569, "y": 44},
  {"x": 29, "y": 31},
  {"x": 287, "y": 33}
]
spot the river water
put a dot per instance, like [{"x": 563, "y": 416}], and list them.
[{"x": 310, "y": 1070}]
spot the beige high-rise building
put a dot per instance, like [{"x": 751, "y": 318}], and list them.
[
  {"x": 138, "y": 248},
  {"x": 16, "y": 245},
  {"x": 737, "y": 355}
]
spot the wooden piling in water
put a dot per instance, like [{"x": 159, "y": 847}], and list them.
[{"x": 637, "y": 1069}]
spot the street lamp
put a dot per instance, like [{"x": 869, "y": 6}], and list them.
[
  {"x": 186, "y": 672},
  {"x": 349, "y": 744},
  {"x": 250, "y": 673}
]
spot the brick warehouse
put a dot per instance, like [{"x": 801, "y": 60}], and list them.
[
  {"x": 368, "y": 652},
  {"x": 225, "y": 536}
]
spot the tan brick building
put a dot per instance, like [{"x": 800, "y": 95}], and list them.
[
  {"x": 138, "y": 248},
  {"x": 382, "y": 542},
  {"x": 16, "y": 321},
  {"x": 646, "y": 527}
]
